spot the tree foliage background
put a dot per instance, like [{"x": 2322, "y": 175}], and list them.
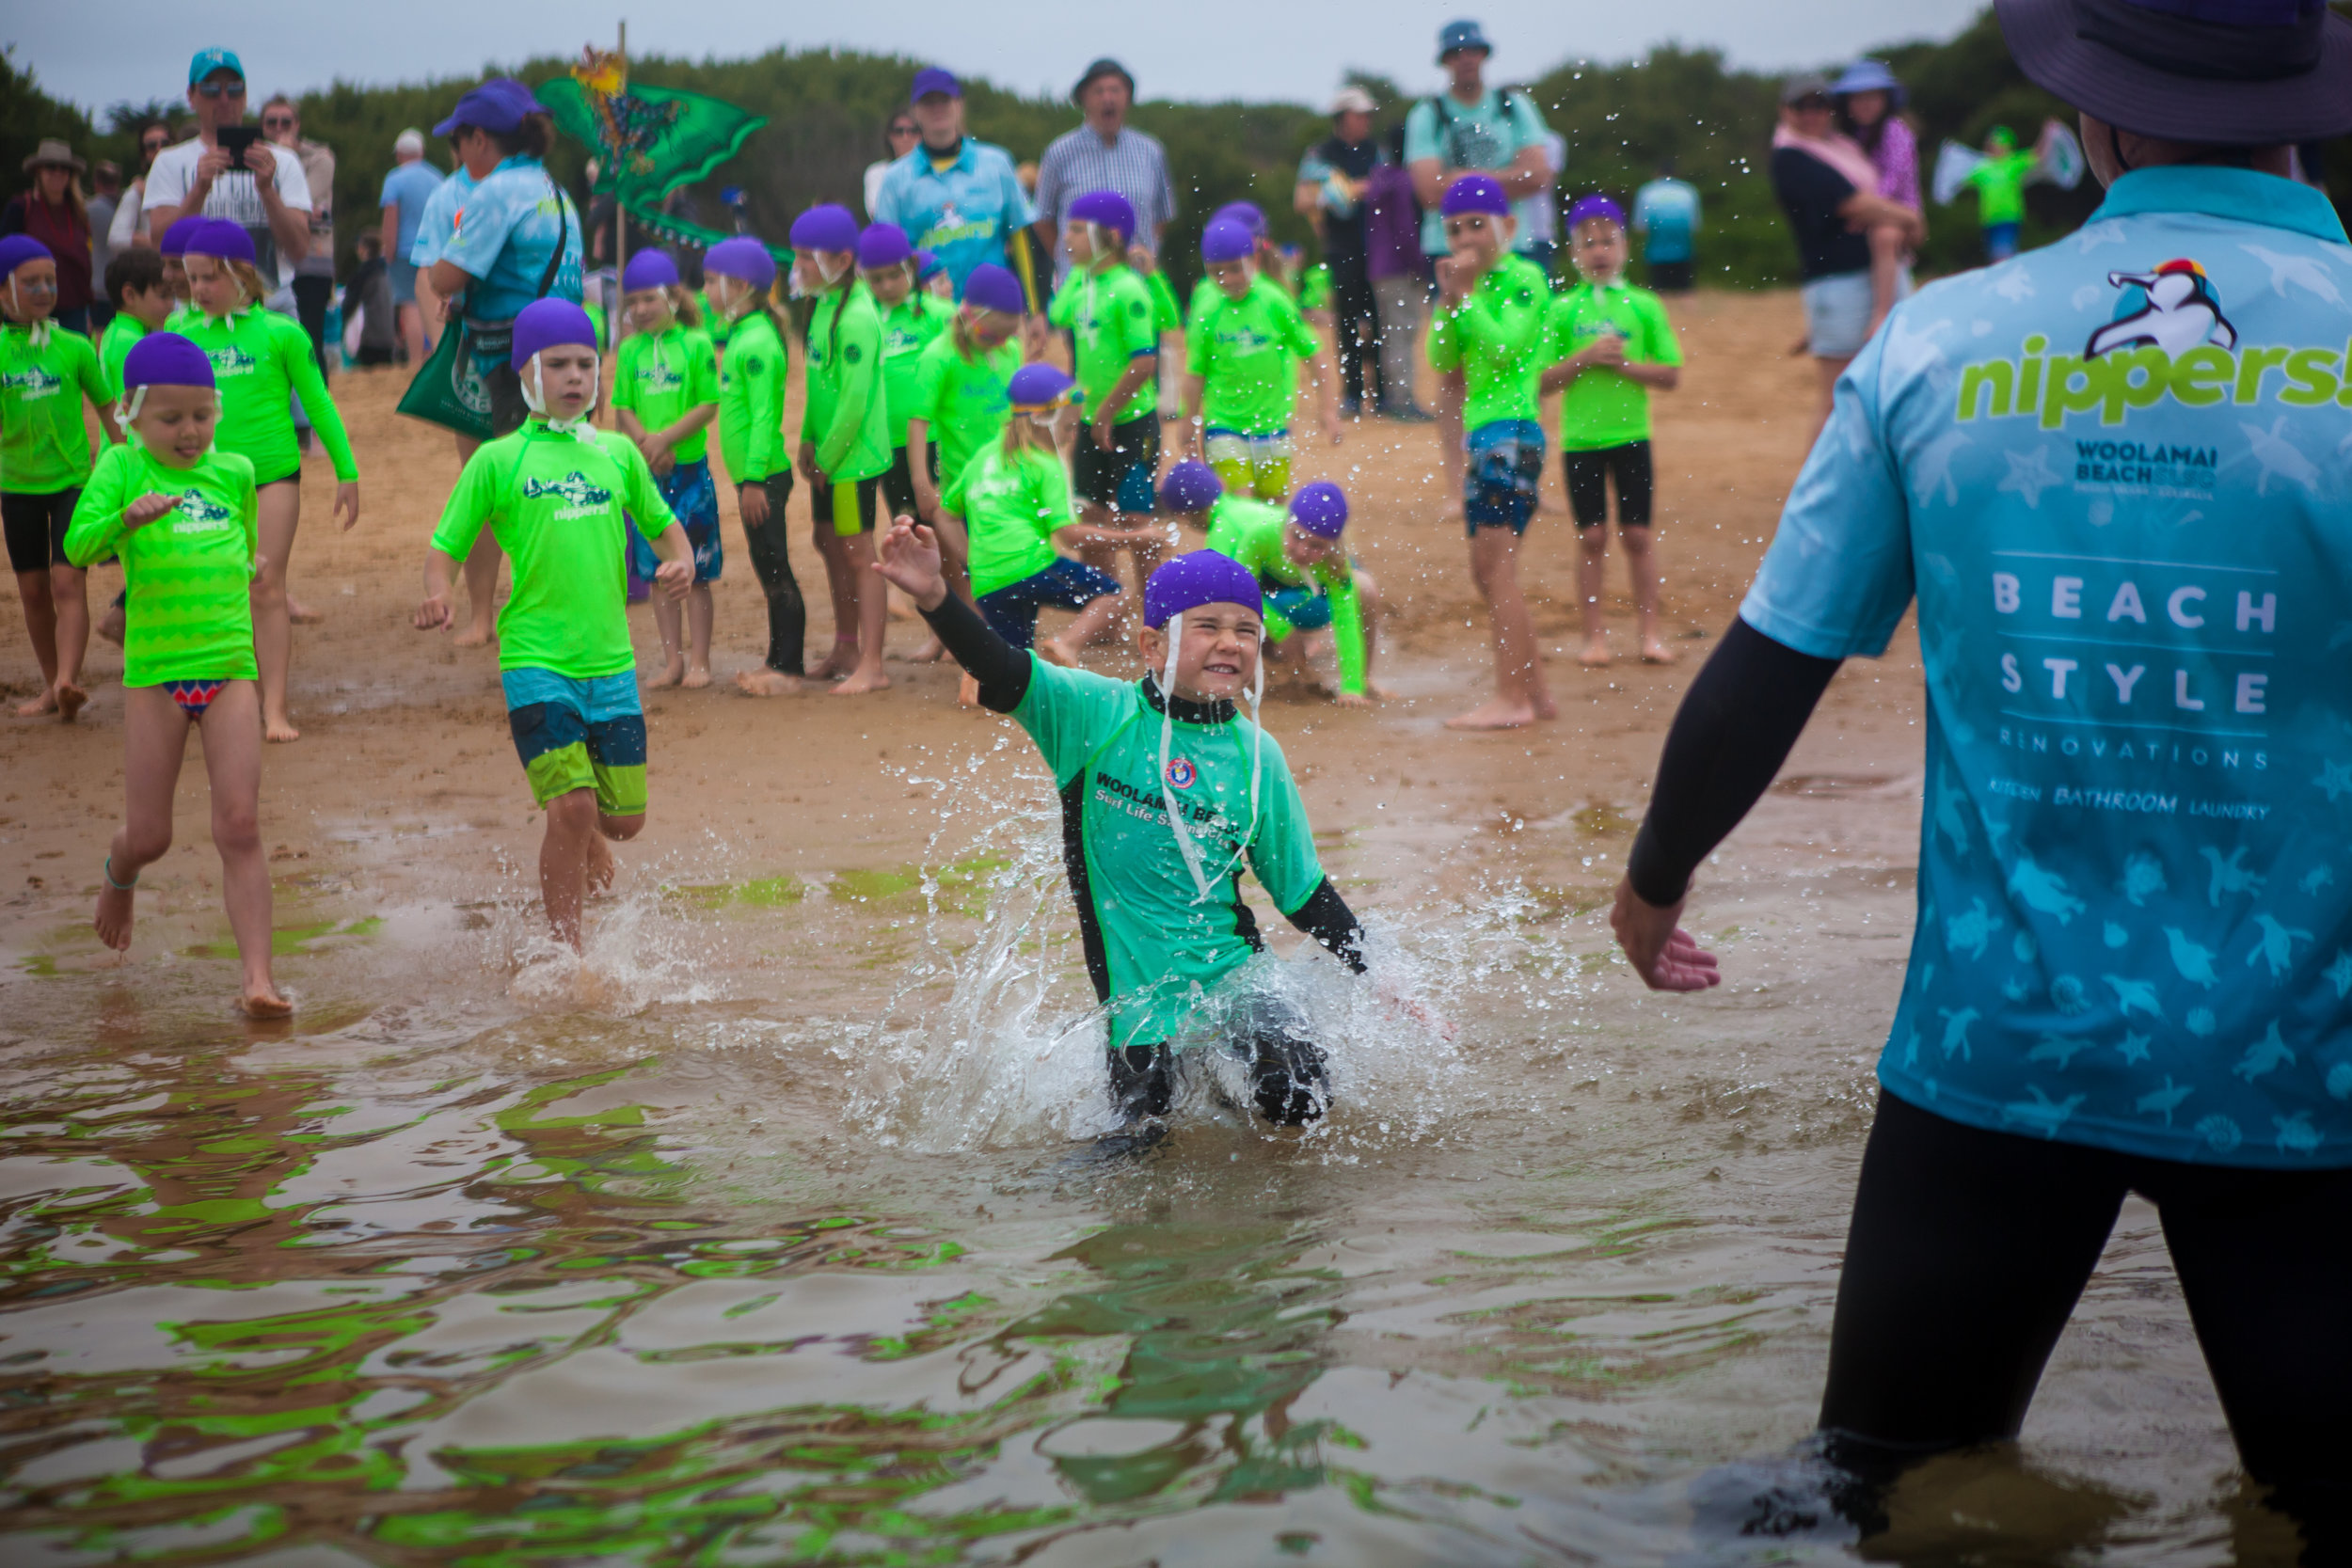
[{"x": 826, "y": 111}]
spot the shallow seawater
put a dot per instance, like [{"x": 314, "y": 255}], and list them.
[{"x": 775, "y": 1232}]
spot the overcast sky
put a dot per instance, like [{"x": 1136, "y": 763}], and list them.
[{"x": 1197, "y": 49}]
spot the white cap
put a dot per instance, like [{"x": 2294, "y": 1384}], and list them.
[
  {"x": 407, "y": 142},
  {"x": 1352, "y": 99}
]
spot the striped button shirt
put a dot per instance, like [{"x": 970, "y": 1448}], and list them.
[{"x": 1133, "y": 165}]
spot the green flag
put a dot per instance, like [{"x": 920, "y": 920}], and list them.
[{"x": 649, "y": 140}]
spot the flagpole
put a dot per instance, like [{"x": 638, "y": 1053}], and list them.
[{"x": 614, "y": 317}]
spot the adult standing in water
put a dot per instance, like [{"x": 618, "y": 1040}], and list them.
[
  {"x": 2131, "y": 962},
  {"x": 514, "y": 239}
]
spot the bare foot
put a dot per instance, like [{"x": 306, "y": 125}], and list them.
[
  {"x": 836, "y": 664},
  {"x": 1545, "y": 707},
  {"x": 114, "y": 914},
  {"x": 475, "y": 636},
  {"x": 1379, "y": 690},
  {"x": 111, "y": 625},
  {"x": 1351, "y": 699},
  {"x": 602, "y": 865},
  {"x": 302, "y": 614},
  {"x": 44, "y": 704},
  {"x": 1654, "y": 651},
  {"x": 764, "y": 682},
  {"x": 263, "y": 1002},
  {"x": 280, "y": 729},
  {"x": 697, "y": 679},
  {"x": 69, "y": 700},
  {"x": 672, "y": 673},
  {"x": 1053, "y": 651},
  {"x": 1501, "y": 714},
  {"x": 968, "y": 691},
  {"x": 859, "y": 685},
  {"x": 1596, "y": 653},
  {"x": 929, "y": 652}
]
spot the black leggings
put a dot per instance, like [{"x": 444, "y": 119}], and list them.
[
  {"x": 1588, "y": 497},
  {"x": 1968, "y": 1251},
  {"x": 787, "y": 614}
]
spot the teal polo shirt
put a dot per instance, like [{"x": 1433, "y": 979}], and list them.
[
  {"x": 965, "y": 215},
  {"x": 2116, "y": 474}
]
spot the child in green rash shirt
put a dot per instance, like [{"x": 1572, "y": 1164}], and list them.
[
  {"x": 1167, "y": 329},
  {"x": 1012, "y": 502},
  {"x": 845, "y": 441},
  {"x": 665, "y": 394},
  {"x": 561, "y": 496},
  {"x": 1107, "y": 309},
  {"x": 1489, "y": 325},
  {"x": 1311, "y": 585},
  {"x": 961, "y": 385},
  {"x": 183, "y": 517},
  {"x": 46, "y": 374},
  {"x": 263, "y": 360},
  {"x": 1610, "y": 344},
  {"x": 741, "y": 282},
  {"x": 912, "y": 320},
  {"x": 1243, "y": 349},
  {"x": 142, "y": 302},
  {"x": 1167, "y": 793}
]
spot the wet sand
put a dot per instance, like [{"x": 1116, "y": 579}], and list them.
[{"x": 763, "y": 1234}]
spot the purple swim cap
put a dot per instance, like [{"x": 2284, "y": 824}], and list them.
[
  {"x": 166, "y": 360},
  {"x": 827, "y": 228},
  {"x": 1106, "y": 210},
  {"x": 1586, "y": 208},
  {"x": 175, "y": 240},
  {"x": 1248, "y": 214},
  {"x": 1226, "y": 240},
  {"x": 17, "y": 249},
  {"x": 1191, "y": 485},
  {"x": 882, "y": 245},
  {"x": 1320, "y": 509},
  {"x": 547, "y": 324},
  {"x": 223, "y": 241},
  {"x": 1038, "y": 386},
  {"x": 928, "y": 265},
  {"x": 743, "y": 258},
  {"x": 1477, "y": 193},
  {"x": 1202, "y": 578},
  {"x": 992, "y": 288},
  {"x": 649, "y": 269}
]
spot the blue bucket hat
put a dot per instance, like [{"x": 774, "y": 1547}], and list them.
[
  {"x": 1868, "y": 76},
  {"x": 1454, "y": 36},
  {"x": 2222, "y": 73}
]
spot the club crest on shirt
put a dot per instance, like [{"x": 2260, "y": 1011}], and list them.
[
  {"x": 33, "y": 383},
  {"x": 582, "y": 497},
  {"x": 1179, "y": 773},
  {"x": 199, "y": 512},
  {"x": 231, "y": 360},
  {"x": 2175, "y": 309}
]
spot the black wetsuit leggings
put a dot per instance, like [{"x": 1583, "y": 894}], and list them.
[
  {"x": 787, "y": 614},
  {"x": 1968, "y": 1251}
]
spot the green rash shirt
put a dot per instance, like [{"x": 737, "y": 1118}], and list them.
[
  {"x": 750, "y": 400},
  {"x": 661, "y": 376},
  {"x": 122, "y": 334},
  {"x": 2001, "y": 187},
  {"x": 1151, "y": 949},
  {"x": 1496, "y": 339},
  {"x": 260, "y": 360},
  {"x": 1247, "y": 352},
  {"x": 1110, "y": 313},
  {"x": 188, "y": 575},
  {"x": 909, "y": 328},
  {"x": 964, "y": 401},
  {"x": 847, "y": 417},
  {"x": 1166, "y": 316},
  {"x": 560, "y": 504},
  {"x": 1603, "y": 407},
  {"x": 44, "y": 446},
  {"x": 1011, "y": 503},
  {"x": 1251, "y": 532}
]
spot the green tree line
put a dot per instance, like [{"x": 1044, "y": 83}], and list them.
[{"x": 825, "y": 111}]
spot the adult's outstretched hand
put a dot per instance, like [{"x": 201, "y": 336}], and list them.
[{"x": 1666, "y": 957}]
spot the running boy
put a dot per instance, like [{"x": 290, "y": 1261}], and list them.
[
  {"x": 265, "y": 361},
  {"x": 560, "y": 495},
  {"x": 845, "y": 440},
  {"x": 1012, "y": 502},
  {"x": 1109, "y": 309},
  {"x": 46, "y": 374},
  {"x": 1242, "y": 352},
  {"x": 183, "y": 518},
  {"x": 912, "y": 320},
  {"x": 1310, "y": 584},
  {"x": 1609, "y": 344},
  {"x": 1166, "y": 791},
  {"x": 143, "y": 303},
  {"x": 665, "y": 394},
  {"x": 1489, "y": 325},
  {"x": 740, "y": 278}
]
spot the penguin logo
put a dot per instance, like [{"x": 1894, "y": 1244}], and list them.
[
  {"x": 1180, "y": 772},
  {"x": 2173, "y": 308}
]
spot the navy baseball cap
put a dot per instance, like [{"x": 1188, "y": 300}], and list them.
[
  {"x": 497, "y": 105},
  {"x": 931, "y": 79},
  {"x": 1454, "y": 36},
  {"x": 209, "y": 60}
]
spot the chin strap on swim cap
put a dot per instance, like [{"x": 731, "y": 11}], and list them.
[
  {"x": 37, "y": 330},
  {"x": 535, "y": 398},
  {"x": 1167, "y": 740}
]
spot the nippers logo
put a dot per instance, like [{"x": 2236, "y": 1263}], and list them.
[
  {"x": 575, "y": 488},
  {"x": 2173, "y": 308},
  {"x": 1180, "y": 772}
]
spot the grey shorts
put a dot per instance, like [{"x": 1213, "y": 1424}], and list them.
[{"x": 1838, "y": 312}]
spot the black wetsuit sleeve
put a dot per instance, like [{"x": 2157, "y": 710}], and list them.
[
  {"x": 1325, "y": 917},
  {"x": 1734, "y": 730},
  {"x": 1002, "y": 669}
]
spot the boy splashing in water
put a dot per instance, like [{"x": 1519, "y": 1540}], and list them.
[
  {"x": 559, "y": 497},
  {"x": 1166, "y": 791}
]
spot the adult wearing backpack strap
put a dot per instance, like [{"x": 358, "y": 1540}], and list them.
[{"x": 1468, "y": 129}]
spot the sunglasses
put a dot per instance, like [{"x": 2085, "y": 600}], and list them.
[
  {"x": 1811, "y": 103},
  {"x": 221, "y": 89},
  {"x": 153, "y": 145},
  {"x": 277, "y": 122},
  {"x": 904, "y": 131}
]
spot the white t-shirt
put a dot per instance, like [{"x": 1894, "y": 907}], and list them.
[{"x": 233, "y": 196}]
